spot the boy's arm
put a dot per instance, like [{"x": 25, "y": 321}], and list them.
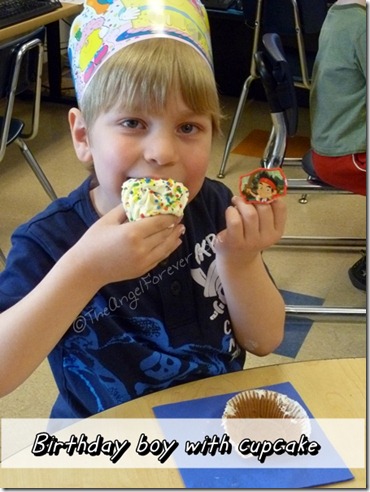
[
  {"x": 255, "y": 305},
  {"x": 109, "y": 251},
  {"x": 31, "y": 328}
]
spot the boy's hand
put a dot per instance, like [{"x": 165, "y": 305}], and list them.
[
  {"x": 114, "y": 249},
  {"x": 250, "y": 229}
]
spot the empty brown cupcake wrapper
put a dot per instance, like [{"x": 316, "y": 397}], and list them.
[{"x": 290, "y": 419}]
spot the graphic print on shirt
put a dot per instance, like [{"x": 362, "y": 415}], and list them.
[
  {"x": 118, "y": 356},
  {"x": 207, "y": 277},
  {"x": 212, "y": 287},
  {"x": 154, "y": 364}
]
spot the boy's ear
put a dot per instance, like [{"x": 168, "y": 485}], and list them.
[{"x": 79, "y": 135}]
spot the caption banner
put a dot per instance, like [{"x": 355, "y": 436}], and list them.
[{"x": 182, "y": 443}]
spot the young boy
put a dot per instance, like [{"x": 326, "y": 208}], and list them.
[{"x": 123, "y": 308}]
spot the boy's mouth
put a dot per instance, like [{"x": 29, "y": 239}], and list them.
[{"x": 146, "y": 177}]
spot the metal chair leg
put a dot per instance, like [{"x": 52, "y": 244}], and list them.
[
  {"x": 331, "y": 243},
  {"x": 2, "y": 256},
  {"x": 322, "y": 313},
  {"x": 306, "y": 187},
  {"x": 36, "y": 169},
  {"x": 234, "y": 124}
]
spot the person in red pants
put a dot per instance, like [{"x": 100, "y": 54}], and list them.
[{"x": 338, "y": 106}]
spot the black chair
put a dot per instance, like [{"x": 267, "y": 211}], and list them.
[
  {"x": 21, "y": 62},
  {"x": 298, "y": 22},
  {"x": 274, "y": 70}
]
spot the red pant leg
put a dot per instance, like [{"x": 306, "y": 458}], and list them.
[{"x": 347, "y": 172}]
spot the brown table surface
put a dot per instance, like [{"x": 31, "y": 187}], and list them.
[
  {"x": 66, "y": 10},
  {"x": 330, "y": 388}
]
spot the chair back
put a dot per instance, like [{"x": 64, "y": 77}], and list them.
[
  {"x": 21, "y": 62},
  {"x": 298, "y": 22},
  {"x": 277, "y": 81},
  {"x": 278, "y": 16},
  {"x": 21, "y": 47},
  {"x": 274, "y": 71}
]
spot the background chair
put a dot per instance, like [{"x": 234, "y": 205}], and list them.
[
  {"x": 273, "y": 68},
  {"x": 298, "y": 22},
  {"x": 21, "y": 62},
  {"x": 20, "y": 71},
  {"x": 2, "y": 257}
]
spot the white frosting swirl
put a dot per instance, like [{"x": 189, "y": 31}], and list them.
[{"x": 146, "y": 197}]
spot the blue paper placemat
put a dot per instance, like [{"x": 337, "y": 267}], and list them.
[{"x": 212, "y": 407}]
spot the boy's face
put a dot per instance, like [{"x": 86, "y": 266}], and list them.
[{"x": 175, "y": 143}]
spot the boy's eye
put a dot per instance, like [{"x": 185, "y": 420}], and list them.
[
  {"x": 131, "y": 123},
  {"x": 188, "y": 128}
]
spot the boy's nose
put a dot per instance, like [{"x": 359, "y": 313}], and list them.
[{"x": 160, "y": 149}]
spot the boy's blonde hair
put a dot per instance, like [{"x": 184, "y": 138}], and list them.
[{"x": 143, "y": 74}]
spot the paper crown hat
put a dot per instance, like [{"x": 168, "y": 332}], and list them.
[{"x": 106, "y": 26}]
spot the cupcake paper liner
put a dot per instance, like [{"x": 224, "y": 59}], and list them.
[{"x": 261, "y": 415}]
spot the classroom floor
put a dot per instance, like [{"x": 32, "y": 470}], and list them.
[{"x": 319, "y": 274}]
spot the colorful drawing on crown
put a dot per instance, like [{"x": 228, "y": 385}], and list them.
[
  {"x": 106, "y": 26},
  {"x": 100, "y": 6}
]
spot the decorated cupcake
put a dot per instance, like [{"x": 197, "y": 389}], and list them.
[{"x": 146, "y": 197}]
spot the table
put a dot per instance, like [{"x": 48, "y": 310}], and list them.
[
  {"x": 51, "y": 21},
  {"x": 331, "y": 389}
]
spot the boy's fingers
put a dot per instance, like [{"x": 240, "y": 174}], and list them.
[
  {"x": 280, "y": 215},
  {"x": 248, "y": 212},
  {"x": 275, "y": 213},
  {"x": 150, "y": 224},
  {"x": 234, "y": 225},
  {"x": 115, "y": 216},
  {"x": 233, "y": 220},
  {"x": 164, "y": 224}
]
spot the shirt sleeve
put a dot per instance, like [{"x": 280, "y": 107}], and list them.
[
  {"x": 361, "y": 53},
  {"x": 27, "y": 264}
]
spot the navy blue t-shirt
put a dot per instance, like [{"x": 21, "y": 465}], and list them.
[{"x": 168, "y": 327}]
